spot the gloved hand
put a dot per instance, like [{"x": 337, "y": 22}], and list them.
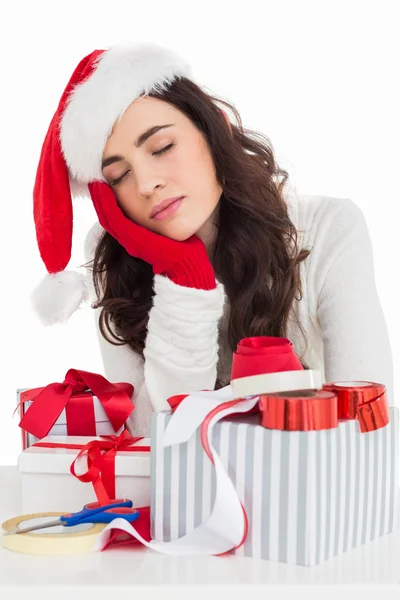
[{"x": 185, "y": 263}]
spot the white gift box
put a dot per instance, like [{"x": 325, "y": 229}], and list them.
[
  {"x": 308, "y": 495},
  {"x": 48, "y": 485},
  {"x": 103, "y": 425}
]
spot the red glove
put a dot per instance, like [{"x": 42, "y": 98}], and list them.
[{"x": 185, "y": 263}]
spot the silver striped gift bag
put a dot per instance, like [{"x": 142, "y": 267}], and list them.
[{"x": 308, "y": 495}]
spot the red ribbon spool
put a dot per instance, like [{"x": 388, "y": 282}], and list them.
[
  {"x": 299, "y": 411},
  {"x": 264, "y": 354},
  {"x": 362, "y": 400}
]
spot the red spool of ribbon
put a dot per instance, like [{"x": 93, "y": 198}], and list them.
[
  {"x": 257, "y": 356},
  {"x": 362, "y": 400},
  {"x": 307, "y": 410},
  {"x": 310, "y": 410},
  {"x": 264, "y": 354}
]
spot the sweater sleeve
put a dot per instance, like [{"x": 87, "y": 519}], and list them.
[
  {"x": 181, "y": 351},
  {"x": 353, "y": 327}
]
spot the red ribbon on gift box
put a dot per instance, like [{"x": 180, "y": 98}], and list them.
[
  {"x": 72, "y": 396},
  {"x": 101, "y": 455}
]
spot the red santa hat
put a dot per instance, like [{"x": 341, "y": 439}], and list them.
[{"x": 101, "y": 88}]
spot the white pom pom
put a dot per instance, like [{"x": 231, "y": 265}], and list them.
[
  {"x": 59, "y": 295},
  {"x": 92, "y": 240}
]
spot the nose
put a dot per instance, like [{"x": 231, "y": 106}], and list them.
[{"x": 147, "y": 180}]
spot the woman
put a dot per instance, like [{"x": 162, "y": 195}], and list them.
[{"x": 199, "y": 242}]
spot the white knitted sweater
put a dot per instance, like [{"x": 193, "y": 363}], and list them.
[{"x": 340, "y": 312}]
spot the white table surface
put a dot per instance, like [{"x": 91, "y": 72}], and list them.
[{"x": 372, "y": 570}]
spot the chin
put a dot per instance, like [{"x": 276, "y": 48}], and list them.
[
  {"x": 178, "y": 232},
  {"x": 181, "y": 237}
]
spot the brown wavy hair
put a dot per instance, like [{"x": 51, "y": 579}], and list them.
[{"x": 255, "y": 254}]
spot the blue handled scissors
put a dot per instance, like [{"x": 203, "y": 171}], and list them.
[{"x": 98, "y": 514}]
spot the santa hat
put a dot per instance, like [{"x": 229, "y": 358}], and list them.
[{"x": 101, "y": 88}]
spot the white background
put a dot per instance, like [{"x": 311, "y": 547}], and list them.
[{"x": 319, "y": 78}]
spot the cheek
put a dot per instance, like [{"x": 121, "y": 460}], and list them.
[
  {"x": 200, "y": 166},
  {"x": 193, "y": 160},
  {"x": 135, "y": 213}
]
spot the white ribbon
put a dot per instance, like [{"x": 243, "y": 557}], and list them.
[{"x": 224, "y": 528}]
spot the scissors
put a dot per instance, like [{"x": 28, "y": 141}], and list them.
[{"x": 91, "y": 513}]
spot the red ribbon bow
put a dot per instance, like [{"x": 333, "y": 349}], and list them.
[
  {"x": 101, "y": 455},
  {"x": 55, "y": 397},
  {"x": 101, "y": 462}
]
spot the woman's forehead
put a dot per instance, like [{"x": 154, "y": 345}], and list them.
[{"x": 146, "y": 113}]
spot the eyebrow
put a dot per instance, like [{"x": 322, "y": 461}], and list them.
[{"x": 139, "y": 142}]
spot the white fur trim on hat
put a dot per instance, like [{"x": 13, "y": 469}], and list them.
[
  {"x": 59, "y": 295},
  {"x": 122, "y": 74}
]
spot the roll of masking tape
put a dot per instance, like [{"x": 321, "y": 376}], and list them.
[
  {"x": 282, "y": 381},
  {"x": 57, "y": 540}
]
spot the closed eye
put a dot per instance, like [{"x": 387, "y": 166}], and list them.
[
  {"x": 159, "y": 152},
  {"x": 165, "y": 149}
]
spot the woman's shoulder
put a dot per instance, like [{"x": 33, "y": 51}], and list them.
[
  {"x": 329, "y": 207},
  {"x": 318, "y": 216}
]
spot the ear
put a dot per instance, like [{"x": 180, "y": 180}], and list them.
[{"x": 226, "y": 119}]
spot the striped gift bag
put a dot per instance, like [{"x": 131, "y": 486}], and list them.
[{"x": 308, "y": 495}]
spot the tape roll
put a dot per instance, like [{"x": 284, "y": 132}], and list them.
[
  {"x": 282, "y": 381},
  {"x": 58, "y": 540}
]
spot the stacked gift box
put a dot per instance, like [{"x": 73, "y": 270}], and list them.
[
  {"x": 84, "y": 404},
  {"x": 83, "y": 413},
  {"x": 308, "y": 495},
  {"x": 313, "y": 467},
  {"x": 62, "y": 424}
]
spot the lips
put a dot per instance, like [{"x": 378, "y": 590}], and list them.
[
  {"x": 163, "y": 205},
  {"x": 170, "y": 210}
]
